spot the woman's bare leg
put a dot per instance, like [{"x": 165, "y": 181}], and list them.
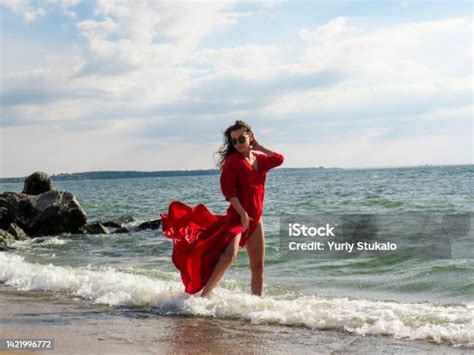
[
  {"x": 256, "y": 250},
  {"x": 227, "y": 258}
]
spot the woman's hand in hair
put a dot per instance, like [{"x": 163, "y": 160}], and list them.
[{"x": 255, "y": 145}]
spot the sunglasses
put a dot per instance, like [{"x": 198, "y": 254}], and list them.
[{"x": 240, "y": 139}]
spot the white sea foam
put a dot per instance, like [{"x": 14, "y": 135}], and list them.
[
  {"x": 39, "y": 241},
  {"x": 451, "y": 324}
]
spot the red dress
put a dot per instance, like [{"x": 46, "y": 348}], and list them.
[{"x": 199, "y": 236}]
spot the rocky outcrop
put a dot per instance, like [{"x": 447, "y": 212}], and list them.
[
  {"x": 16, "y": 232},
  {"x": 119, "y": 222},
  {"x": 42, "y": 210},
  {"x": 6, "y": 218},
  {"x": 94, "y": 228},
  {"x": 154, "y": 224},
  {"x": 37, "y": 183},
  {"x": 123, "y": 224},
  {"x": 51, "y": 212},
  {"x": 5, "y": 239}
]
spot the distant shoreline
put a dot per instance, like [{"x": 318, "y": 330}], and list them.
[
  {"x": 103, "y": 175},
  {"x": 97, "y": 175}
]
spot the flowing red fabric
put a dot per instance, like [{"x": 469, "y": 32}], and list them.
[{"x": 199, "y": 236}]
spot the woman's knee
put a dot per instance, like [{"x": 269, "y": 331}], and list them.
[
  {"x": 231, "y": 251},
  {"x": 229, "y": 256}
]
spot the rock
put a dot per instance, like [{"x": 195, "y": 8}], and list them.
[
  {"x": 51, "y": 212},
  {"x": 16, "y": 232},
  {"x": 5, "y": 239},
  {"x": 155, "y": 224},
  {"x": 122, "y": 230},
  {"x": 119, "y": 222},
  {"x": 6, "y": 218},
  {"x": 37, "y": 183},
  {"x": 94, "y": 228}
]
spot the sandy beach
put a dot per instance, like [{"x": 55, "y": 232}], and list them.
[{"x": 79, "y": 327}]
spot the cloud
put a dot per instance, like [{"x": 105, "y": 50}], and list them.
[
  {"x": 392, "y": 73},
  {"x": 31, "y": 12},
  {"x": 372, "y": 149},
  {"x": 144, "y": 34},
  {"x": 53, "y": 150},
  {"x": 340, "y": 83},
  {"x": 406, "y": 52},
  {"x": 335, "y": 29},
  {"x": 141, "y": 74},
  {"x": 350, "y": 102}
]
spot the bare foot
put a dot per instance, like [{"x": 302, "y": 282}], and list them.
[{"x": 206, "y": 295}]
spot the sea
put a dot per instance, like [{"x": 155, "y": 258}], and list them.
[{"x": 409, "y": 293}]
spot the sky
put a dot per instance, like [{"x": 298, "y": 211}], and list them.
[{"x": 152, "y": 85}]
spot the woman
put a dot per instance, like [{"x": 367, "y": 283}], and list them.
[{"x": 204, "y": 244}]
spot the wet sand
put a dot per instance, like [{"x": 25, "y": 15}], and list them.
[{"x": 79, "y": 327}]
